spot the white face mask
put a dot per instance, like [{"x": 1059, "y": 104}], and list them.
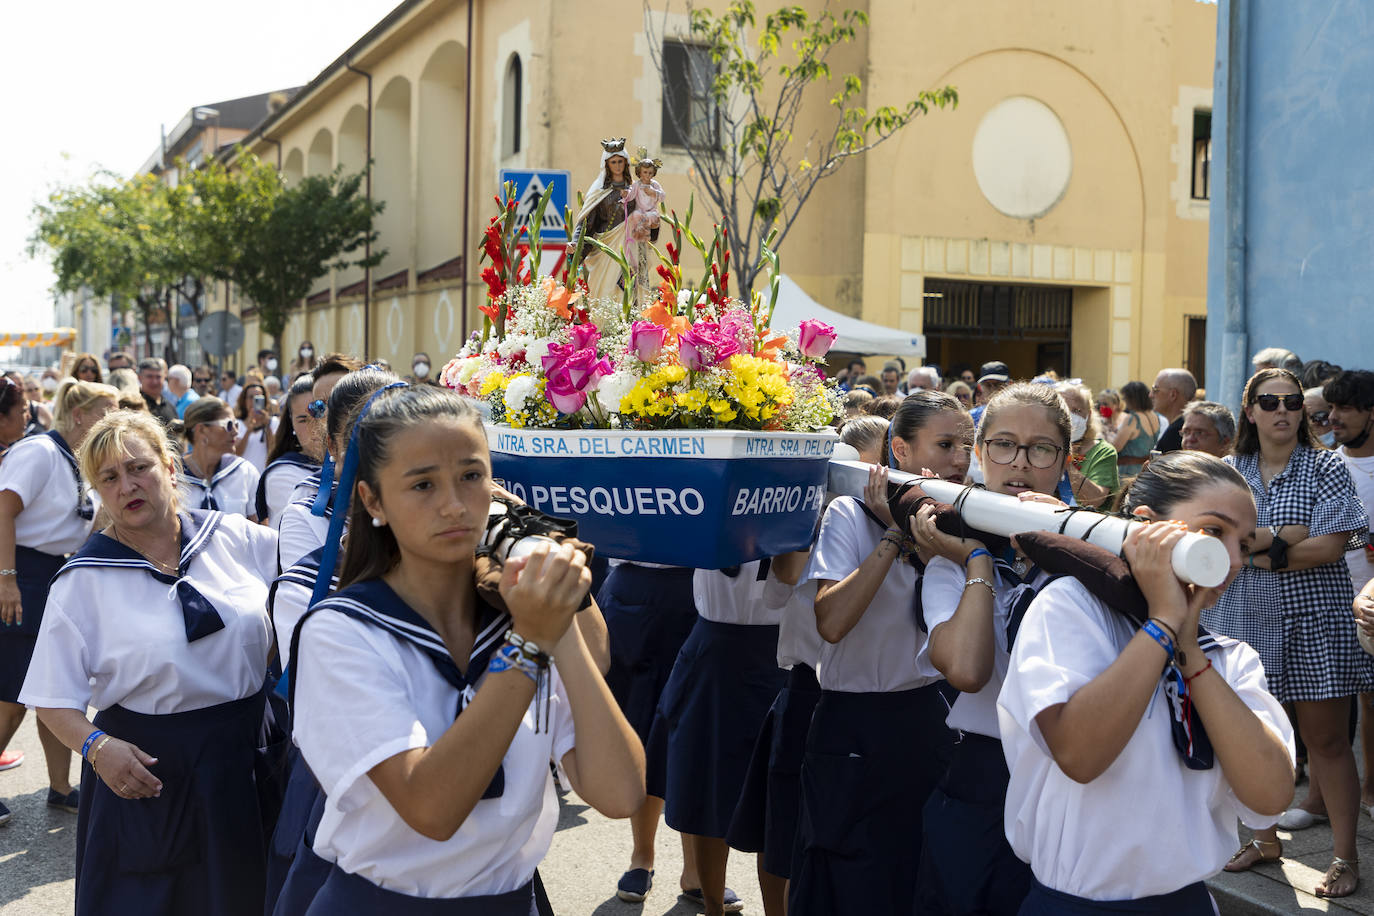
[
  {"x": 1077, "y": 427},
  {"x": 421, "y": 370},
  {"x": 49, "y": 384},
  {"x": 271, "y": 365},
  {"x": 1328, "y": 440},
  {"x": 306, "y": 353}
]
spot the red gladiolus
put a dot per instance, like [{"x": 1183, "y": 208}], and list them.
[{"x": 672, "y": 252}]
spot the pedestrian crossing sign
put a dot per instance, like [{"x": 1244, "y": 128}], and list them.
[{"x": 530, "y": 185}]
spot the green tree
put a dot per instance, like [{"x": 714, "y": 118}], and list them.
[
  {"x": 284, "y": 238},
  {"x": 747, "y": 158},
  {"x": 110, "y": 236}
]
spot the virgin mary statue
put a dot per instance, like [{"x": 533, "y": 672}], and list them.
[{"x": 604, "y": 209}]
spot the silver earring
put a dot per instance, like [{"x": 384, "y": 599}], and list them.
[{"x": 376, "y": 522}]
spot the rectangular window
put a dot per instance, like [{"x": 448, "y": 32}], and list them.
[
  {"x": 1202, "y": 155},
  {"x": 690, "y": 115}
]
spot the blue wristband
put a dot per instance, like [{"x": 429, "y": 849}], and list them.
[
  {"x": 980, "y": 552},
  {"x": 508, "y": 658},
  {"x": 90, "y": 739},
  {"x": 1156, "y": 632}
]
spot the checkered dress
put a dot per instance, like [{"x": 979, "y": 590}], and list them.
[{"x": 1300, "y": 622}]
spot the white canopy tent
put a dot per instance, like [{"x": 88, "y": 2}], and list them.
[{"x": 855, "y": 335}]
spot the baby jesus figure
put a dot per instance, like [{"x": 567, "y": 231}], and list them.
[{"x": 642, "y": 223}]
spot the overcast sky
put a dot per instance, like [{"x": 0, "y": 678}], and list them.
[{"x": 91, "y": 82}]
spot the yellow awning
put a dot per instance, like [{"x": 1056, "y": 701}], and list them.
[{"x": 56, "y": 337}]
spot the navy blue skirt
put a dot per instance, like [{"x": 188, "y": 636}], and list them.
[
  {"x": 649, "y": 613},
  {"x": 294, "y": 873},
  {"x": 35, "y": 572},
  {"x": 765, "y": 820},
  {"x": 967, "y": 865},
  {"x": 1193, "y": 900},
  {"x": 872, "y": 760},
  {"x": 709, "y": 718},
  {"x": 196, "y": 848},
  {"x": 345, "y": 894}
]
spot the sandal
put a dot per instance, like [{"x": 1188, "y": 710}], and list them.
[
  {"x": 1255, "y": 846},
  {"x": 1335, "y": 872}
]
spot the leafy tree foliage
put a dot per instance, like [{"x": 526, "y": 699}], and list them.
[{"x": 748, "y": 158}]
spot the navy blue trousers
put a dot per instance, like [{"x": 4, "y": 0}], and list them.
[{"x": 196, "y": 848}]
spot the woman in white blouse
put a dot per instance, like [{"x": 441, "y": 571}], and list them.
[
  {"x": 429, "y": 716},
  {"x": 45, "y": 514},
  {"x": 878, "y": 740},
  {"x": 159, "y": 622},
  {"x": 1117, "y": 793},
  {"x": 212, "y": 476}
]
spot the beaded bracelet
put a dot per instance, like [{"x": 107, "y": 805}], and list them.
[{"x": 529, "y": 649}]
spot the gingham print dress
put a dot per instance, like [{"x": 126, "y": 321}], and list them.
[{"x": 1300, "y": 622}]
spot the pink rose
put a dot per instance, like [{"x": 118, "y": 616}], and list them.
[
  {"x": 563, "y": 395},
  {"x": 584, "y": 336},
  {"x": 646, "y": 340},
  {"x": 704, "y": 345},
  {"x": 815, "y": 338}
]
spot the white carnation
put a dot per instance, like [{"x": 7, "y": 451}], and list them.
[
  {"x": 520, "y": 390},
  {"x": 614, "y": 387},
  {"x": 537, "y": 350}
]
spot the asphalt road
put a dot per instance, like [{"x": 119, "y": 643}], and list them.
[{"x": 588, "y": 854}]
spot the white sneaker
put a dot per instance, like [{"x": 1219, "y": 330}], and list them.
[{"x": 1299, "y": 819}]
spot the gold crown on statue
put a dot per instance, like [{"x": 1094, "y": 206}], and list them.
[
  {"x": 642, "y": 158},
  {"x": 614, "y": 145}
]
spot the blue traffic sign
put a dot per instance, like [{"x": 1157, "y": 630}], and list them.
[{"x": 530, "y": 185}]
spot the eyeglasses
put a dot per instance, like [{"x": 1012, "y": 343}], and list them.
[
  {"x": 1270, "y": 402},
  {"x": 317, "y": 408},
  {"x": 1040, "y": 454}
]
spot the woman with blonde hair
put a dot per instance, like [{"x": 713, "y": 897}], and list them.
[
  {"x": 169, "y": 819},
  {"x": 1092, "y": 474},
  {"x": 961, "y": 392},
  {"x": 45, "y": 514}
]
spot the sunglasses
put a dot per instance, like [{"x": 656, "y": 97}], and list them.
[
  {"x": 228, "y": 424},
  {"x": 317, "y": 408},
  {"x": 1270, "y": 402},
  {"x": 200, "y": 381},
  {"x": 1320, "y": 417}
]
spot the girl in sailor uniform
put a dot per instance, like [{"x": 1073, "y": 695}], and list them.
[
  {"x": 765, "y": 819},
  {"x": 713, "y": 706},
  {"x": 972, "y": 602},
  {"x": 295, "y": 455},
  {"x": 45, "y": 514},
  {"x": 212, "y": 477},
  {"x": 878, "y": 741},
  {"x": 1100, "y": 717},
  {"x": 169, "y": 819},
  {"x": 305, "y": 520},
  {"x": 429, "y": 716}
]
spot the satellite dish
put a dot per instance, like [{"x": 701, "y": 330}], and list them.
[{"x": 221, "y": 334}]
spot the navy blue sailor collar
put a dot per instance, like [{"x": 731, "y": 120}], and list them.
[
  {"x": 375, "y": 603},
  {"x": 207, "y": 487},
  {"x": 85, "y": 509},
  {"x": 197, "y": 528},
  {"x": 321, "y": 505}
]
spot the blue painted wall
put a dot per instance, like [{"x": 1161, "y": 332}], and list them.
[{"x": 1291, "y": 251}]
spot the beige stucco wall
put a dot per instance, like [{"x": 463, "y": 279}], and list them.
[{"x": 1122, "y": 78}]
